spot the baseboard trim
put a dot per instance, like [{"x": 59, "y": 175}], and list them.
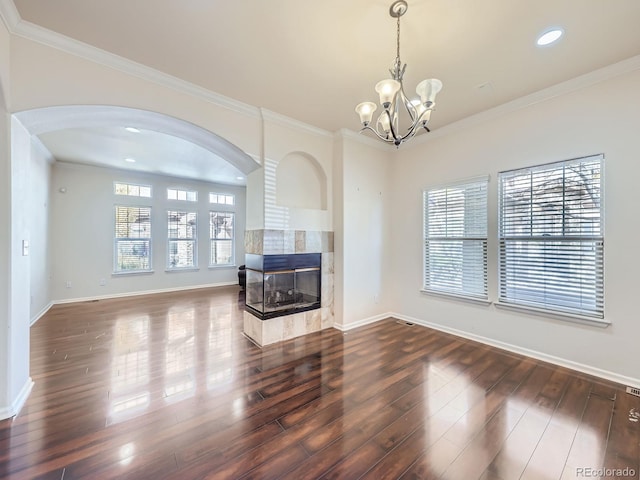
[
  {"x": 40, "y": 314},
  {"x": 143, "y": 292},
  {"x": 562, "y": 362},
  {"x": 17, "y": 404},
  {"x": 363, "y": 322}
]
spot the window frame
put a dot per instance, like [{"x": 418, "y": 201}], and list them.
[
  {"x": 117, "y": 270},
  {"x": 580, "y": 249},
  {"x": 129, "y": 187},
  {"x": 179, "y": 191},
  {"x": 213, "y": 239},
  {"x": 180, "y": 239},
  {"x": 479, "y": 272},
  {"x": 226, "y": 197}
]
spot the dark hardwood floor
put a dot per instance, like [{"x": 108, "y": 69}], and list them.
[{"x": 166, "y": 386}]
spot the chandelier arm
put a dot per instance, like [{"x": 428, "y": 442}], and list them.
[
  {"x": 384, "y": 139},
  {"x": 410, "y": 134},
  {"x": 413, "y": 130},
  {"x": 409, "y": 107},
  {"x": 394, "y": 134}
]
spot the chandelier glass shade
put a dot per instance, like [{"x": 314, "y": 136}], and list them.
[{"x": 395, "y": 104}]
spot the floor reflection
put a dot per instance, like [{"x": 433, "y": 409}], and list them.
[
  {"x": 180, "y": 350},
  {"x": 197, "y": 354},
  {"x": 129, "y": 393},
  {"x": 219, "y": 346}
]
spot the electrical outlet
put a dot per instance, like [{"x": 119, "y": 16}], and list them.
[
  {"x": 68, "y": 284},
  {"x": 103, "y": 282}
]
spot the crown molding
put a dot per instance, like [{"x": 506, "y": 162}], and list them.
[
  {"x": 284, "y": 121},
  {"x": 44, "y": 36},
  {"x": 66, "y": 44},
  {"x": 9, "y": 14},
  {"x": 583, "y": 81}
]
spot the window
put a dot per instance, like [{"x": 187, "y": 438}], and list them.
[
  {"x": 552, "y": 237},
  {"x": 221, "y": 199},
  {"x": 455, "y": 239},
  {"x": 132, "y": 190},
  {"x": 182, "y": 231},
  {"x": 221, "y": 228},
  {"x": 184, "y": 195},
  {"x": 132, "y": 239}
]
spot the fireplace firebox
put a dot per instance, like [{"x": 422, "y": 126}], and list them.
[{"x": 282, "y": 284}]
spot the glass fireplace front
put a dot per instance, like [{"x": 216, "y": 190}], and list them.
[{"x": 282, "y": 284}]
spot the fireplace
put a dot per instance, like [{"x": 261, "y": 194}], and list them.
[{"x": 282, "y": 284}]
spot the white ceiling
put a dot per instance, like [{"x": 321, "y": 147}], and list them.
[
  {"x": 314, "y": 61},
  {"x": 153, "y": 152}
]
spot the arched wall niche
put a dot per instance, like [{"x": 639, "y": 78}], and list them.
[{"x": 301, "y": 182}]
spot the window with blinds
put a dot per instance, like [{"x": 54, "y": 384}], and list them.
[
  {"x": 551, "y": 237},
  {"x": 132, "y": 243},
  {"x": 181, "y": 238},
  {"x": 455, "y": 239},
  {"x": 221, "y": 234}
]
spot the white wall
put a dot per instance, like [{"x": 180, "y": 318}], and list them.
[
  {"x": 255, "y": 200},
  {"x": 82, "y": 231},
  {"x": 301, "y": 183},
  {"x": 564, "y": 127},
  {"x": 6, "y": 397},
  {"x": 38, "y": 218},
  {"x": 283, "y": 138},
  {"x": 19, "y": 382},
  {"x": 363, "y": 253},
  {"x": 43, "y": 76}
]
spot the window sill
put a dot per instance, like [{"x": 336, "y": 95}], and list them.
[
  {"x": 185, "y": 269},
  {"x": 455, "y": 296},
  {"x": 569, "y": 317},
  {"x": 137, "y": 272},
  {"x": 215, "y": 267}
]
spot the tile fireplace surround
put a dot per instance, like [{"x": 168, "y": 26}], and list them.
[{"x": 279, "y": 242}]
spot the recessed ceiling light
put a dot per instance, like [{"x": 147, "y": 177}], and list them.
[
  {"x": 549, "y": 37},
  {"x": 130, "y": 160},
  {"x": 239, "y": 178},
  {"x": 132, "y": 129}
]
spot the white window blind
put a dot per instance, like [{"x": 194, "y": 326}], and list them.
[
  {"x": 182, "y": 232},
  {"x": 455, "y": 239},
  {"x": 551, "y": 237},
  {"x": 132, "y": 239},
  {"x": 221, "y": 234}
]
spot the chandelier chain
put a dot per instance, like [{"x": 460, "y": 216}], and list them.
[{"x": 398, "y": 42}]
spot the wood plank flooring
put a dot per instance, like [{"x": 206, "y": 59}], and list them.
[{"x": 167, "y": 387}]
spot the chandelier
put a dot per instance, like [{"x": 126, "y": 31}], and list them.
[{"x": 394, "y": 101}]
